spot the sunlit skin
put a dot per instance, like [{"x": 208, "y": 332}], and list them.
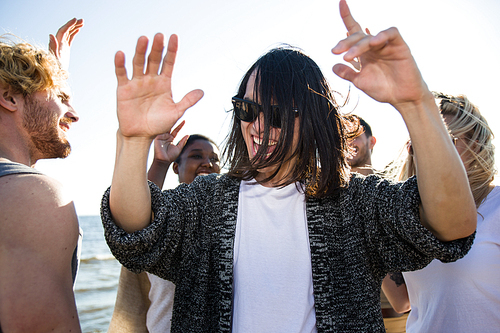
[
  {"x": 253, "y": 133},
  {"x": 47, "y": 118},
  {"x": 199, "y": 158},
  {"x": 460, "y": 145}
]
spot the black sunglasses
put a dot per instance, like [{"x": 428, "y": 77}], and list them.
[{"x": 248, "y": 111}]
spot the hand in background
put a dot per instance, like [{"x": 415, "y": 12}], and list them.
[
  {"x": 60, "y": 44},
  {"x": 164, "y": 150}
]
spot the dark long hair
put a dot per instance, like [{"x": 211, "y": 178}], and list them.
[{"x": 288, "y": 78}]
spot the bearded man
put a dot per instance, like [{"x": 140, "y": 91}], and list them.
[{"x": 39, "y": 232}]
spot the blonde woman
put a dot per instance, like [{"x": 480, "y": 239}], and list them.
[{"x": 463, "y": 296}]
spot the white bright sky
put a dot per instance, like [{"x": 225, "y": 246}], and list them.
[{"x": 455, "y": 42}]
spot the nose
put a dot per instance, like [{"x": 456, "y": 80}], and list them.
[
  {"x": 207, "y": 162},
  {"x": 72, "y": 114},
  {"x": 258, "y": 123}
]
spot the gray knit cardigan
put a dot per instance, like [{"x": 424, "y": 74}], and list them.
[{"x": 369, "y": 229}]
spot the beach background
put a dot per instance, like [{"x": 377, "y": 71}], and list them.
[
  {"x": 455, "y": 43},
  {"x": 97, "y": 280}
]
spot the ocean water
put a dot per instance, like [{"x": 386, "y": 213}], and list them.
[{"x": 97, "y": 280}]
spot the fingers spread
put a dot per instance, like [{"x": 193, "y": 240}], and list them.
[
  {"x": 169, "y": 60},
  {"x": 154, "y": 59},
  {"x": 140, "y": 57}
]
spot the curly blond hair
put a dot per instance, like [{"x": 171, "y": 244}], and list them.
[
  {"x": 27, "y": 69},
  {"x": 466, "y": 123}
]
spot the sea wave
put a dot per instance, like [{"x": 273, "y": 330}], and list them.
[
  {"x": 96, "y": 290},
  {"x": 98, "y": 257}
]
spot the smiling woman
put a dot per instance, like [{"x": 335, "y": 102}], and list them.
[
  {"x": 266, "y": 146},
  {"x": 288, "y": 240},
  {"x": 198, "y": 157}
]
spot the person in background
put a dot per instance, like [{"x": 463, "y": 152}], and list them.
[
  {"x": 362, "y": 145},
  {"x": 360, "y": 161},
  {"x": 144, "y": 301},
  {"x": 288, "y": 240},
  {"x": 463, "y": 296},
  {"x": 39, "y": 231}
]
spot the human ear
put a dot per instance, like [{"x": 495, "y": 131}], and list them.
[
  {"x": 9, "y": 100},
  {"x": 175, "y": 167},
  {"x": 373, "y": 141}
]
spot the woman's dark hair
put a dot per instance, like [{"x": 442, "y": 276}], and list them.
[
  {"x": 288, "y": 78},
  {"x": 192, "y": 138}
]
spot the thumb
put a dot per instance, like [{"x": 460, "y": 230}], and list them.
[
  {"x": 182, "y": 142},
  {"x": 180, "y": 145},
  {"x": 53, "y": 45},
  {"x": 190, "y": 99}
]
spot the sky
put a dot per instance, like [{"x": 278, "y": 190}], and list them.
[{"x": 456, "y": 44}]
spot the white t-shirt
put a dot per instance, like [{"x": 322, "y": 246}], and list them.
[
  {"x": 273, "y": 289},
  {"x": 463, "y": 296},
  {"x": 161, "y": 295}
]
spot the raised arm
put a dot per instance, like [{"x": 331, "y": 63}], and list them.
[
  {"x": 145, "y": 109},
  {"x": 164, "y": 154},
  {"x": 60, "y": 44},
  {"x": 388, "y": 73}
]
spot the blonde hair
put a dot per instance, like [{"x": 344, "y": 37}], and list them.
[
  {"x": 27, "y": 69},
  {"x": 466, "y": 123}
]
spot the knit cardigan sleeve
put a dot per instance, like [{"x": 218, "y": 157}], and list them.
[
  {"x": 176, "y": 233},
  {"x": 390, "y": 217}
]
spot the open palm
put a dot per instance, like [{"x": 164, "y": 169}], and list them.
[{"x": 145, "y": 105}]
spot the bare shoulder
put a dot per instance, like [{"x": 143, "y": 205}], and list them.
[
  {"x": 36, "y": 210},
  {"x": 38, "y": 236}
]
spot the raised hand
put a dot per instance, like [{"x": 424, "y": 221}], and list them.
[
  {"x": 164, "y": 150},
  {"x": 145, "y": 105},
  {"x": 60, "y": 44},
  {"x": 387, "y": 70}
]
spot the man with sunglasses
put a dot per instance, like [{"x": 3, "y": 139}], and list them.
[{"x": 287, "y": 240}]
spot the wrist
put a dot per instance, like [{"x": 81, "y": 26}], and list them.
[
  {"x": 424, "y": 103},
  {"x": 134, "y": 140},
  {"x": 161, "y": 163}
]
